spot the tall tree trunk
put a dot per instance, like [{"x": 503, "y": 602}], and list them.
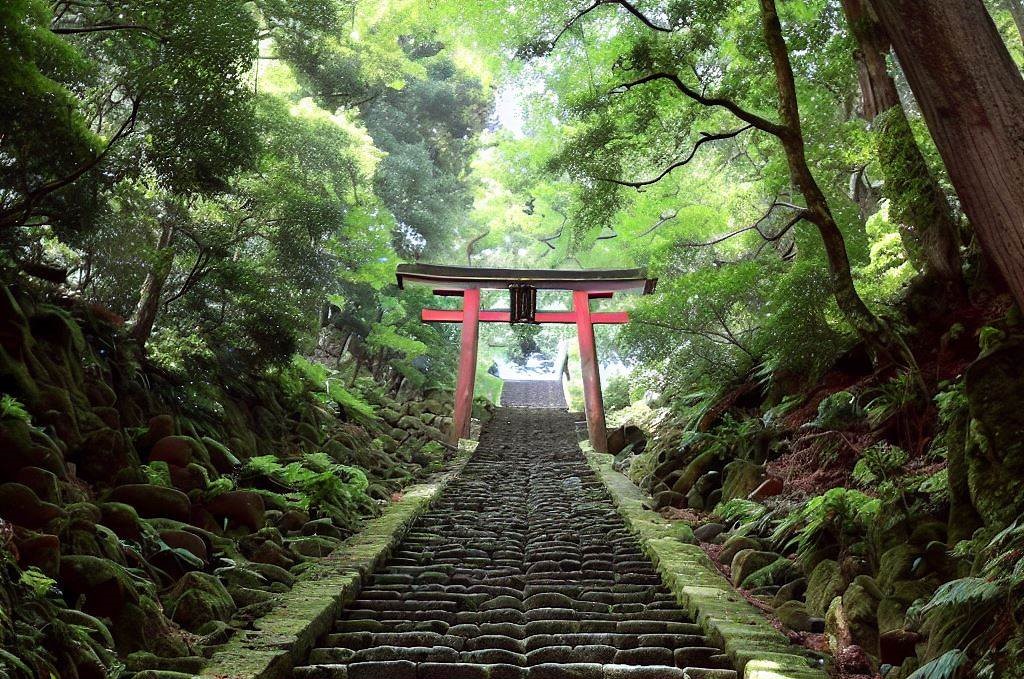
[
  {"x": 871, "y": 329},
  {"x": 916, "y": 201},
  {"x": 149, "y": 301},
  {"x": 971, "y": 95}
]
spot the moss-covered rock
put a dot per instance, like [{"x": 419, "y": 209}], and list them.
[
  {"x": 181, "y": 451},
  {"x": 737, "y": 543},
  {"x": 142, "y": 626},
  {"x": 860, "y": 607},
  {"x": 242, "y": 508},
  {"x": 21, "y": 506},
  {"x": 896, "y": 564},
  {"x": 122, "y": 519},
  {"x": 891, "y": 614},
  {"x": 776, "y": 573},
  {"x": 102, "y": 587},
  {"x": 792, "y": 590},
  {"x": 748, "y": 561},
  {"x": 196, "y": 599},
  {"x": 741, "y": 478},
  {"x": 824, "y": 584},
  {"x": 18, "y": 450},
  {"x": 43, "y": 483},
  {"x": 694, "y": 470},
  {"x": 793, "y": 614},
  {"x": 994, "y": 455},
  {"x": 154, "y": 501},
  {"x": 221, "y": 457}
]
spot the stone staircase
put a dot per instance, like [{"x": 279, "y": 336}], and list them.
[{"x": 523, "y": 570}]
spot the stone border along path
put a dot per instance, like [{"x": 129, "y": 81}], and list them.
[
  {"x": 755, "y": 647},
  {"x": 284, "y": 636}
]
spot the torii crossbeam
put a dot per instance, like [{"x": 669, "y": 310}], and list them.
[{"x": 585, "y": 285}]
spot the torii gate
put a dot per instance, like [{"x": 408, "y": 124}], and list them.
[{"x": 522, "y": 284}]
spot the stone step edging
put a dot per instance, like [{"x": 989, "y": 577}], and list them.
[
  {"x": 757, "y": 649},
  {"x": 286, "y": 634}
]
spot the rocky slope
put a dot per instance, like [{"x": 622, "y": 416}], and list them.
[
  {"x": 145, "y": 514},
  {"x": 865, "y": 519}
]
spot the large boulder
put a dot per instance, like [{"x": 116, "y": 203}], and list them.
[
  {"x": 154, "y": 501},
  {"x": 825, "y": 583},
  {"x": 198, "y": 598},
  {"x": 21, "y": 506},
  {"x": 741, "y": 478},
  {"x": 98, "y": 586}
]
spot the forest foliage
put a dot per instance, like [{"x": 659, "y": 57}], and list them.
[{"x": 233, "y": 183}]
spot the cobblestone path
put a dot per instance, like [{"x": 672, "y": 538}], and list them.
[{"x": 523, "y": 570}]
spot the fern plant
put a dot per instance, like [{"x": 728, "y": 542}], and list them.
[
  {"x": 11, "y": 407},
  {"x": 879, "y": 468},
  {"x": 740, "y": 510},
  {"x": 318, "y": 484},
  {"x": 840, "y": 515},
  {"x": 979, "y": 613},
  {"x": 891, "y": 397}
]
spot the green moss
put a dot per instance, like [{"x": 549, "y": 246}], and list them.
[
  {"x": 994, "y": 452},
  {"x": 916, "y": 201}
]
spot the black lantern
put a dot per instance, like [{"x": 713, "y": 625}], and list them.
[{"x": 522, "y": 303}]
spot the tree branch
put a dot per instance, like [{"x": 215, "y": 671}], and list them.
[
  {"x": 625, "y": 4},
  {"x": 731, "y": 106},
  {"x": 99, "y": 28},
  {"x": 704, "y": 139},
  {"x": 662, "y": 219},
  {"x": 20, "y": 211},
  {"x": 472, "y": 243},
  {"x": 707, "y": 334},
  {"x": 801, "y": 214}
]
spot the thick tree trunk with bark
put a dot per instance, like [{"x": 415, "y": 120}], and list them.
[
  {"x": 971, "y": 95},
  {"x": 152, "y": 288},
  {"x": 917, "y": 203}
]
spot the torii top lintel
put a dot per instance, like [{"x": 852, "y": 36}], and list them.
[{"x": 455, "y": 278}]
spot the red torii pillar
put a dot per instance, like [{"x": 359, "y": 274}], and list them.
[
  {"x": 585, "y": 285},
  {"x": 593, "y": 401}
]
